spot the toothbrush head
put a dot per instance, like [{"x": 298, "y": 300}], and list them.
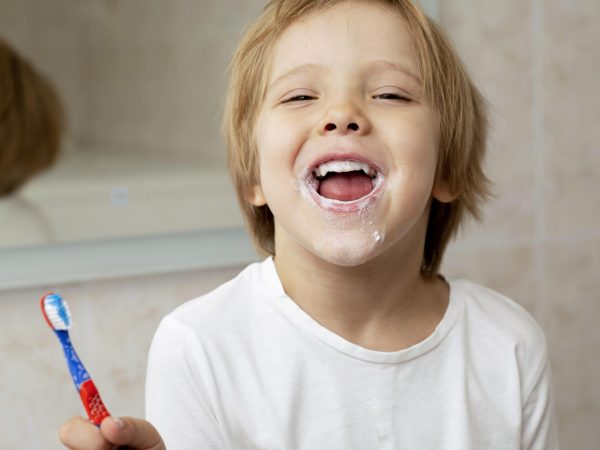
[{"x": 56, "y": 311}]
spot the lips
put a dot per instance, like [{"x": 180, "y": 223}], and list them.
[{"x": 344, "y": 183}]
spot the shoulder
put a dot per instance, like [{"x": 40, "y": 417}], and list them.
[
  {"x": 214, "y": 330},
  {"x": 496, "y": 311},
  {"x": 225, "y": 310},
  {"x": 228, "y": 299},
  {"x": 496, "y": 318}
]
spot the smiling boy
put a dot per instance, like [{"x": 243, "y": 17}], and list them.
[
  {"x": 343, "y": 91},
  {"x": 355, "y": 142}
]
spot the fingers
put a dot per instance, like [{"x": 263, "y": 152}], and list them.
[
  {"x": 132, "y": 433},
  {"x": 80, "y": 434}
]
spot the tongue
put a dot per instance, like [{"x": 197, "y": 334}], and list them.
[{"x": 346, "y": 186}]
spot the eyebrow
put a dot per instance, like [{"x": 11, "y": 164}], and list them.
[
  {"x": 303, "y": 68},
  {"x": 395, "y": 66},
  {"x": 372, "y": 66}
]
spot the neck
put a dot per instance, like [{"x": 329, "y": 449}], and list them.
[{"x": 384, "y": 304}]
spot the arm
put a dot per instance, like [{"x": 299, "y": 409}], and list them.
[
  {"x": 80, "y": 434},
  {"x": 539, "y": 424},
  {"x": 177, "y": 400}
]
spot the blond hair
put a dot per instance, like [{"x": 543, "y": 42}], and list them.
[
  {"x": 463, "y": 120},
  {"x": 31, "y": 121}
]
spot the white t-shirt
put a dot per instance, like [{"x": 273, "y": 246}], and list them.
[{"x": 243, "y": 367}]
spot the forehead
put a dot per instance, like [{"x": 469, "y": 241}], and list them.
[{"x": 344, "y": 34}]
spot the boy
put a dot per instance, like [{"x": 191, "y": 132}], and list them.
[{"x": 355, "y": 142}]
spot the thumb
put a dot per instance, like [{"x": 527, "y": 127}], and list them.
[{"x": 134, "y": 433}]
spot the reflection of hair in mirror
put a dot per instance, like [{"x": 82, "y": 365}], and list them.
[{"x": 31, "y": 121}]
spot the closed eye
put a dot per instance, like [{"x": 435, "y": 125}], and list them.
[
  {"x": 298, "y": 98},
  {"x": 390, "y": 96}
]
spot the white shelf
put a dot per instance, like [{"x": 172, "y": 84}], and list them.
[
  {"x": 91, "y": 198},
  {"x": 54, "y": 265},
  {"x": 92, "y": 217}
]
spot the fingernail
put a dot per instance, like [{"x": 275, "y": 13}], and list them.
[{"x": 119, "y": 422}]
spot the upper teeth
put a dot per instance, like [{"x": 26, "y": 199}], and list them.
[{"x": 343, "y": 166}]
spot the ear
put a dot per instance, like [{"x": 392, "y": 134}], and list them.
[
  {"x": 442, "y": 193},
  {"x": 256, "y": 197}
]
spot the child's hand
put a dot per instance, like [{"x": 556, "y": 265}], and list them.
[{"x": 80, "y": 434}]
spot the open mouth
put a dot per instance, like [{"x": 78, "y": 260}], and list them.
[{"x": 344, "y": 180}]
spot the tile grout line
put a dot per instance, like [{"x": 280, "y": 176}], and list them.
[
  {"x": 538, "y": 161},
  {"x": 509, "y": 242}
]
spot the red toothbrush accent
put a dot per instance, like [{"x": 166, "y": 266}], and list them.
[{"x": 92, "y": 402}]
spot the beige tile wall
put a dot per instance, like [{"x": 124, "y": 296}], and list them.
[
  {"x": 113, "y": 323},
  {"x": 537, "y": 63}
]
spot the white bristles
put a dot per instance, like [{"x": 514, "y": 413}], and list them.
[{"x": 57, "y": 312}]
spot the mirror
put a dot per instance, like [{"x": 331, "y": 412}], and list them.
[{"x": 142, "y": 83}]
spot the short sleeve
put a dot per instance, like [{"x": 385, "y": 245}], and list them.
[
  {"x": 176, "y": 401},
  {"x": 539, "y": 425}
]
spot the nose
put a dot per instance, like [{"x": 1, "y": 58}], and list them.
[{"x": 344, "y": 118}]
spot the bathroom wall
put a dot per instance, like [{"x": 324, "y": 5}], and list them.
[{"x": 537, "y": 63}]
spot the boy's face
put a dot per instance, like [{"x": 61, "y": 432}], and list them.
[{"x": 347, "y": 143}]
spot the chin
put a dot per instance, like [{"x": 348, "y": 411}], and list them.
[{"x": 348, "y": 250}]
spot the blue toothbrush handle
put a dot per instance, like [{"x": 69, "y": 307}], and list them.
[
  {"x": 88, "y": 393},
  {"x": 76, "y": 367}
]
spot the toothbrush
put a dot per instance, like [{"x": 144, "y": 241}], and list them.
[{"x": 57, "y": 314}]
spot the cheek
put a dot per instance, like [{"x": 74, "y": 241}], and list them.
[
  {"x": 411, "y": 190},
  {"x": 415, "y": 167},
  {"x": 420, "y": 139},
  {"x": 275, "y": 179},
  {"x": 278, "y": 144},
  {"x": 273, "y": 143}
]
